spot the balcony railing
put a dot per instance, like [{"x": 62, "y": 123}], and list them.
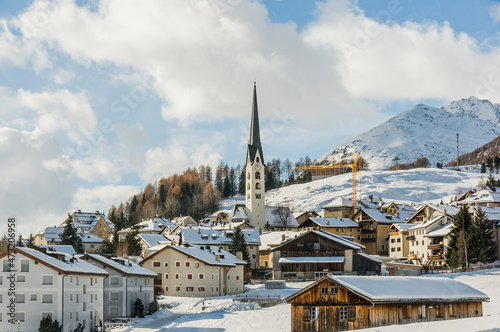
[
  {"x": 368, "y": 230},
  {"x": 370, "y": 239},
  {"x": 435, "y": 257},
  {"x": 435, "y": 246}
]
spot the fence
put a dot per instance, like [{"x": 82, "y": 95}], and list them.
[{"x": 442, "y": 270}]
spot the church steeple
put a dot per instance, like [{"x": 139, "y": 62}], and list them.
[{"x": 254, "y": 144}]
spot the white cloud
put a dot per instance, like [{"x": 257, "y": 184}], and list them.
[
  {"x": 102, "y": 197},
  {"x": 495, "y": 12},
  {"x": 28, "y": 190},
  {"x": 61, "y": 110}
]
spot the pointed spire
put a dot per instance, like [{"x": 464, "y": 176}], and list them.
[{"x": 254, "y": 142}]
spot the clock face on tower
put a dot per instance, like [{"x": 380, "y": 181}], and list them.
[{"x": 257, "y": 166}]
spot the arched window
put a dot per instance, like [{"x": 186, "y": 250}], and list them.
[
  {"x": 257, "y": 175},
  {"x": 257, "y": 159},
  {"x": 248, "y": 186},
  {"x": 248, "y": 196},
  {"x": 257, "y": 185},
  {"x": 248, "y": 176}
]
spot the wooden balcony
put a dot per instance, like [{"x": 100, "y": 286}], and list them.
[
  {"x": 410, "y": 238},
  {"x": 368, "y": 230},
  {"x": 436, "y": 257},
  {"x": 435, "y": 246}
]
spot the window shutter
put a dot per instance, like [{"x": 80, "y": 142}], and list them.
[{"x": 351, "y": 312}]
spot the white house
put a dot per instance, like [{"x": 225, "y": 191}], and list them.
[
  {"x": 52, "y": 284},
  {"x": 126, "y": 283},
  {"x": 428, "y": 240}
]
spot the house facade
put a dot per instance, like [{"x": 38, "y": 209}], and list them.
[
  {"x": 399, "y": 245},
  {"x": 337, "y": 226},
  {"x": 196, "y": 271},
  {"x": 318, "y": 253},
  {"x": 53, "y": 284},
  {"x": 428, "y": 240},
  {"x": 126, "y": 283},
  {"x": 341, "y": 303},
  {"x": 338, "y": 208}
]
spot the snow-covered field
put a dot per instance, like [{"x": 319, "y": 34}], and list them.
[
  {"x": 415, "y": 185},
  {"x": 222, "y": 314}
]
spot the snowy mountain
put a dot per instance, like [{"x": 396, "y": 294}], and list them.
[
  {"x": 415, "y": 185},
  {"x": 425, "y": 131}
]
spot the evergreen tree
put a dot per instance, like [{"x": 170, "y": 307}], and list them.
[
  {"x": 239, "y": 244},
  {"x": 241, "y": 182},
  {"x": 30, "y": 243},
  {"x": 153, "y": 306},
  {"x": 460, "y": 237},
  {"x": 48, "y": 325},
  {"x": 132, "y": 210},
  {"x": 138, "y": 309},
  {"x": 4, "y": 243},
  {"x": 483, "y": 167},
  {"x": 79, "y": 246},
  {"x": 162, "y": 193},
  {"x": 496, "y": 162},
  {"x": 483, "y": 246},
  {"x": 226, "y": 190},
  {"x": 20, "y": 242},
  {"x": 107, "y": 247},
  {"x": 489, "y": 163},
  {"x": 133, "y": 243},
  {"x": 70, "y": 236}
]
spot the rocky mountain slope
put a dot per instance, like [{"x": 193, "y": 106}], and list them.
[{"x": 479, "y": 155}]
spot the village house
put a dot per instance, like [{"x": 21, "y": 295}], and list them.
[
  {"x": 340, "y": 207},
  {"x": 91, "y": 243},
  {"x": 220, "y": 216},
  {"x": 341, "y": 303},
  {"x": 150, "y": 240},
  {"x": 151, "y": 226},
  {"x": 126, "y": 283},
  {"x": 199, "y": 271},
  {"x": 304, "y": 215},
  {"x": 95, "y": 223},
  {"x": 52, "y": 236},
  {"x": 428, "y": 240},
  {"x": 399, "y": 246},
  {"x": 53, "y": 284},
  {"x": 400, "y": 211},
  {"x": 222, "y": 239},
  {"x": 317, "y": 253},
  {"x": 337, "y": 226},
  {"x": 427, "y": 212},
  {"x": 269, "y": 241},
  {"x": 374, "y": 226},
  {"x": 484, "y": 197},
  {"x": 185, "y": 221}
]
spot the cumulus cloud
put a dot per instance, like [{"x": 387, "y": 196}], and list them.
[{"x": 102, "y": 197}]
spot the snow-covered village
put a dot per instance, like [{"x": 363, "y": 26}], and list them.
[{"x": 249, "y": 165}]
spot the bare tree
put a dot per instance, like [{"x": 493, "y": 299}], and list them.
[{"x": 282, "y": 215}]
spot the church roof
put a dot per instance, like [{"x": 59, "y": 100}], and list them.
[{"x": 254, "y": 144}]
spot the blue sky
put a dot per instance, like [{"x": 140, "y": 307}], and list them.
[{"x": 101, "y": 97}]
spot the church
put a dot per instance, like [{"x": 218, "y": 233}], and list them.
[{"x": 255, "y": 213}]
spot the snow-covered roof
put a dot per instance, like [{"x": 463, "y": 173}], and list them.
[
  {"x": 412, "y": 289},
  {"x": 274, "y": 239},
  {"x": 90, "y": 238},
  {"x": 208, "y": 256},
  {"x": 370, "y": 257},
  {"x": 240, "y": 213},
  {"x": 335, "y": 222},
  {"x": 154, "y": 239},
  {"x": 493, "y": 213},
  {"x": 121, "y": 265},
  {"x": 52, "y": 234},
  {"x": 89, "y": 219},
  {"x": 68, "y": 265},
  {"x": 338, "y": 202},
  {"x": 67, "y": 249},
  {"x": 336, "y": 238},
  {"x": 402, "y": 227},
  {"x": 204, "y": 236},
  {"x": 215, "y": 214},
  {"x": 380, "y": 217},
  {"x": 304, "y": 260},
  {"x": 440, "y": 231},
  {"x": 485, "y": 195},
  {"x": 403, "y": 289}
]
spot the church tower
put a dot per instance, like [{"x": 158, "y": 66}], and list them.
[{"x": 255, "y": 189}]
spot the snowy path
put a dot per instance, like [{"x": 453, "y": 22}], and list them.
[{"x": 157, "y": 324}]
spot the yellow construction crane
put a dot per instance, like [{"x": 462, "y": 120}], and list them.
[{"x": 354, "y": 165}]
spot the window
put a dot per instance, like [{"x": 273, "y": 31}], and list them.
[
  {"x": 156, "y": 264},
  {"x": 20, "y": 316},
  {"x": 177, "y": 276},
  {"x": 201, "y": 289},
  {"x": 343, "y": 313},
  {"x": 324, "y": 290},
  {"x": 189, "y": 288},
  {"x": 166, "y": 264},
  {"x": 21, "y": 278},
  {"x": 237, "y": 277},
  {"x": 46, "y": 280},
  {"x": 190, "y": 276},
  {"x": 6, "y": 266},
  {"x": 1, "y": 298},
  {"x": 248, "y": 176},
  {"x": 306, "y": 314},
  {"x": 399, "y": 240},
  {"x": 439, "y": 311},
  {"x": 32, "y": 297},
  {"x": 333, "y": 290},
  {"x": 113, "y": 296},
  {"x": 166, "y": 275},
  {"x": 452, "y": 310},
  {"x": 257, "y": 176},
  {"x": 383, "y": 247},
  {"x": 166, "y": 288},
  {"x": 258, "y": 196},
  {"x": 399, "y": 248},
  {"x": 188, "y": 264},
  {"x": 257, "y": 185},
  {"x": 77, "y": 280},
  {"x": 359, "y": 237},
  {"x": 407, "y": 312},
  {"x": 46, "y": 298},
  {"x": 1, "y": 280},
  {"x": 25, "y": 265},
  {"x": 351, "y": 313},
  {"x": 19, "y": 298},
  {"x": 77, "y": 316},
  {"x": 177, "y": 264},
  {"x": 314, "y": 313},
  {"x": 201, "y": 276},
  {"x": 84, "y": 289},
  {"x": 177, "y": 288},
  {"x": 77, "y": 298},
  {"x": 113, "y": 311},
  {"x": 393, "y": 240},
  {"x": 393, "y": 249},
  {"x": 113, "y": 281},
  {"x": 84, "y": 306},
  {"x": 316, "y": 246}
]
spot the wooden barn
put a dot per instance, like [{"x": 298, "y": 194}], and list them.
[{"x": 341, "y": 303}]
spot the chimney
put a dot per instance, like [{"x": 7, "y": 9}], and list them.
[
  {"x": 380, "y": 202},
  {"x": 370, "y": 198},
  {"x": 217, "y": 257},
  {"x": 404, "y": 206},
  {"x": 283, "y": 237},
  {"x": 239, "y": 255},
  {"x": 199, "y": 230},
  {"x": 445, "y": 218},
  {"x": 328, "y": 222}
]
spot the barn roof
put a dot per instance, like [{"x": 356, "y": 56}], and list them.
[
  {"x": 404, "y": 289},
  {"x": 332, "y": 237}
]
